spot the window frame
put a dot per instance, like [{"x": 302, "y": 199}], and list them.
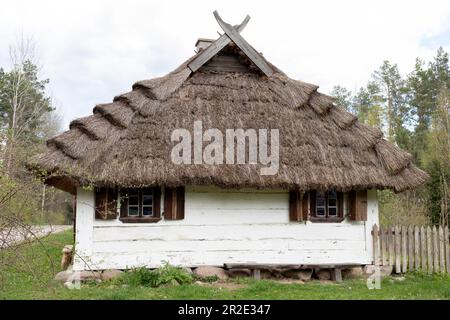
[
  {"x": 140, "y": 193},
  {"x": 314, "y": 217}
]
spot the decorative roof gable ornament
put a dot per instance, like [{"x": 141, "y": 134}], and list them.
[{"x": 232, "y": 34}]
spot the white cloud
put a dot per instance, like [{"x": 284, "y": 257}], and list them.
[{"x": 94, "y": 50}]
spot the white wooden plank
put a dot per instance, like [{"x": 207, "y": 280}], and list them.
[
  {"x": 372, "y": 219},
  {"x": 237, "y": 201},
  {"x": 154, "y": 260},
  {"x": 212, "y": 217},
  {"x": 84, "y": 228},
  {"x": 231, "y": 232},
  {"x": 224, "y": 245}
]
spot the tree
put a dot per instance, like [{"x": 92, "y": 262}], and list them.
[
  {"x": 393, "y": 97},
  {"x": 343, "y": 98},
  {"x": 27, "y": 120},
  {"x": 23, "y": 102},
  {"x": 367, "y": 104},
  {"x": 441, "y": 71},
  {"x": 422, "y": 102},
  {"x": 437, "y": 160}
]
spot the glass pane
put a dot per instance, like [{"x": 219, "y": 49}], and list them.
[
  {"x": 332, "y": 194},
  {"x": 332, "y": 211},
  {"x": 320, "y": 199},
  {"x": 148, "y": 200},
  {"x": 147, "y": 211},
  {"x": 332, "y": 202},
  {"x": 320, "y": 211},
  {"x": 133, "y": 210},
  {"x": 133, "y": 200}
]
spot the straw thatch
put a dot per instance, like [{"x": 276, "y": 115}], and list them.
[{"x": 127, "y": 142}]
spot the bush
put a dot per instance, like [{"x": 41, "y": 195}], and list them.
[{"x": 154, "y": 278}]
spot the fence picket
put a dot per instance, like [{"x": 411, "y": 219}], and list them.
[
  {"x": 398, "y": 243},
  {"x": 410, "y": 248},
  {"x": 423, "y": 249},
  {"x": 382, "y": 246},
  {"x": 435, "y": 250},
  {"x": 404, "y": 251},
  {"x": 391, "y": 240},
  {"x": 429, "y": 251},
  {"x": 416, "y": 248},
  {"x": 441, "y": 250},
  {"x": 447, "y": 249},
  {"x": 375, "y": 233}
]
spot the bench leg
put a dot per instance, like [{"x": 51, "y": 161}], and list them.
[
  {"x": 256, "y": 274},
  {"x": 336, "y": 275}
]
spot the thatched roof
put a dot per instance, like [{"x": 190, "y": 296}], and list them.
[{"x": 127, "y": 142}]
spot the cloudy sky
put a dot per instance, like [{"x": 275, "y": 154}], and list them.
[{"x": 94, "y": 50}]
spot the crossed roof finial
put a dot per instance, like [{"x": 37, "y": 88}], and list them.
[{"x": 232, "y": 33}]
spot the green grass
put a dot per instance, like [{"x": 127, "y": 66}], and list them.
[{"x": 20, "y": 285}]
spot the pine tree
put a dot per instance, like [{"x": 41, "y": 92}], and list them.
[
  {"x": 392, "y": 95},
  {"x": 422, "y": 102},
  {"x": 343, "y": 98}
]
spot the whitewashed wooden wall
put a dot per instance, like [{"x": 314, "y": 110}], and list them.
[{"x": 221, "y": 226}]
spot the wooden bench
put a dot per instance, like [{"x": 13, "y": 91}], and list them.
[{"x": 336, "y": 269}]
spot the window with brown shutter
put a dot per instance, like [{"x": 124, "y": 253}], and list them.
[
  {"x": 105, "y": 203},
  {"x": 326, "y": 206},
  {"x": 140, "y": 205},
  {"x": 174, "y": 203},
  {"x": 357, "y": 201}
]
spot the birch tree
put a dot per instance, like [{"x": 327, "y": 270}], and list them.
[{"x": 23, "y": 102}]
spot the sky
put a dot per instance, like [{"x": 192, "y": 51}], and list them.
[{"x": 94, "y": 50}]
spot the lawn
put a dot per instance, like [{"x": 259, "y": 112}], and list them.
[{"x": 21, "y": 285}]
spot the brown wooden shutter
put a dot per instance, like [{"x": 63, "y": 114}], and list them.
[
  {"x": 157, "y": 202},
  {"x": 305, "y": 206},
  {"x": 123, "y": 203},
  {"x": 295, "y": 206},
  {"x": 174, "y": 203},
  {"x": 340, "y": 203},
  {"x": 105, "y": 203},
  {"x": 357, "y": 201}
]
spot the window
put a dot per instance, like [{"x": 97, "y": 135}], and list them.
[
  {"x": 326, "y": 206},
  {"x": 140, "y": 205},
  {"x": 147, "y": 203}
]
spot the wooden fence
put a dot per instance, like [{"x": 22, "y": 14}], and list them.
[{"x": 410, "y": 248}]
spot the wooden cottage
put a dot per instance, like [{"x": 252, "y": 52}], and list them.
[{"x": 136, "y": 207}]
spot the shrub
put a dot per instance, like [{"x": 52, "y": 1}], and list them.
[{"x": 154, "y": 278}]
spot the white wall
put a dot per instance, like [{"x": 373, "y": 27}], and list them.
[
  {"x": 223, "y": 226},
  {"x": 84, "y": 229}
]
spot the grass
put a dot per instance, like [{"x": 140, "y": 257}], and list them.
[{"x": 21, "y": 285}]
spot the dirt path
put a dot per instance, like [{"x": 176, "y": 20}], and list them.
[{"x": 17, "y": 235}]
